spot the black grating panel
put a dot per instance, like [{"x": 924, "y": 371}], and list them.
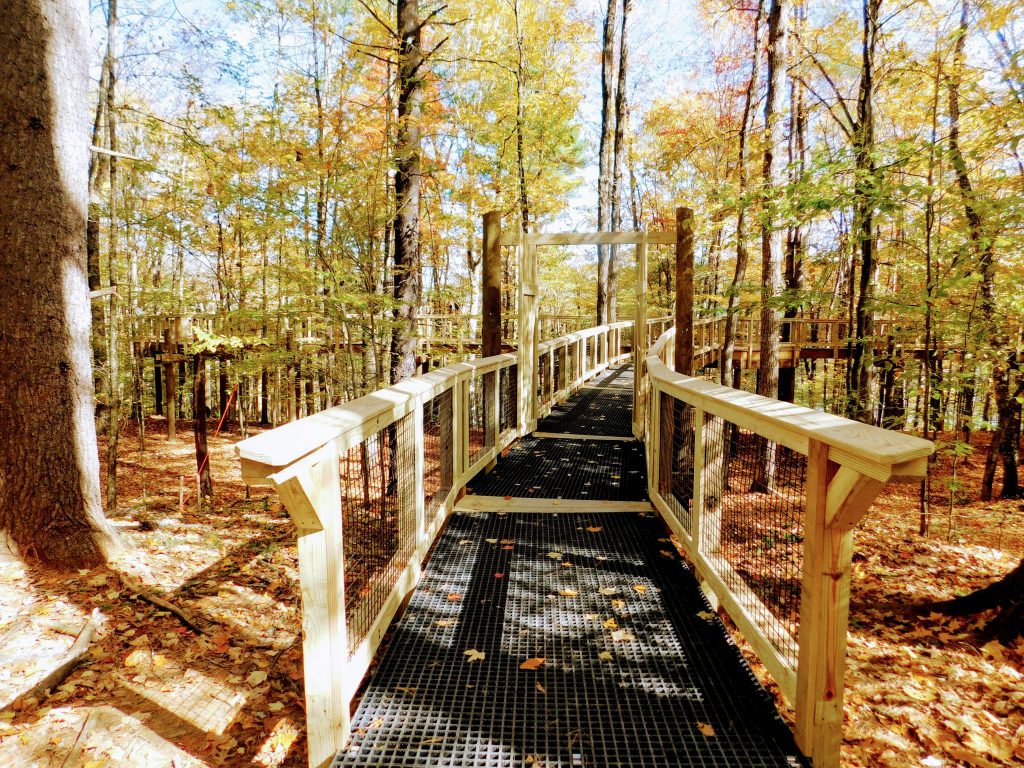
[
  {"x": 603, "y": 407},
  {"x": 378, "y": 521},
  {"x": 557, "y": 468},
  {"x": 631, "y": 670}
]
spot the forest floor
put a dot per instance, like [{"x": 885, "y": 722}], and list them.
[{"x": 921, "y": 689}]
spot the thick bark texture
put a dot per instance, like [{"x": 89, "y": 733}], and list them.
[
  {"x": 407, "y": 191},
  {"x": 1005, "y": 596},
  {"x": 49, "y": 467},
  {"x": 618, "y": 150}
]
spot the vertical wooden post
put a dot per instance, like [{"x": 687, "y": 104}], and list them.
[
  {"x": 171, "y": 378},
  {"x": 491, "y": 285},
  {"x": 684, "y": 291},
  {"x": 527, "y": 336},
  {"x": 312, "y": 494},
  {"x": 824, "y": 613}
]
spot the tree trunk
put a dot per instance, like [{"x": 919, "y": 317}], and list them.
[
  {"x": 604, "y": 164},
  {"x": 49, "y": 467},
  {"x": 732, "y": 310},
  {"x": 618, "y": 150},
  {"x": 772, "y": 178},
  {"x": 862, "y": 373},
  {"x": 199, "y": 425},
  {"x": 407, "y": 191}
]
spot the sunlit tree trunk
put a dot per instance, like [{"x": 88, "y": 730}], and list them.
[
  {"x": 407, "y": 191},
  {"x": 49, "y": 468},
  {"x": 618, "y": 150},
  {"x": 604, "y": 166}
]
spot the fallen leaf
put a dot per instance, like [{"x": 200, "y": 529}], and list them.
[
  {"x": 532, "y": 663},
  {"x": 555, "y": 555},
  {"x": 508, "y": 498},
  {"x": 994, "y": 649},
  {"x": 604, "y": 656},
  {"x": 454, "y": 596},
  {"x": 508, "y": 546},
  {"x": 608, "y": 591},
  {"x": 568, "y": 593},
  {"x": 540, "y": 688},
  {"x": 706, "y": 729},
  {"x": 491, "y": 541},
  {"x": 618, "y": 603},
  {"x": 641, "y": 588},
  {"x": 610, "y": 623},
  {"x": 666, "y": 553},
  {"x": 445, "y": 622},
  {"x": 406, "y": 689},
  {"x": 474, "y": 655},
  {"x": 567, "y": 564},
  {"x": 257, "y": 677},
  {"x": 159, "y": 660},
  {"x": 275, "y": 706},
  {"x": 464, "y": 542},
  {"x": 595, "y": 529},
  {"x": 622, "y": 636},
  {"x": 706, "y": 615},
  {"x": 95, "y": 764},
  {"x": 499, "y": 575}
]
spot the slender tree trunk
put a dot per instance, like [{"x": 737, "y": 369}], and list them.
[
  {"x": 524, "y": 201},
  {"x": 604, "y": 172},
  {"x": 113, "y": 367},
  {"x": 732, "y": 308},
  {"x": 618, "y": 150},
  {"x": 199, "y": 425},
  {"x": 772, "y": 178},
  {"x": 862, "y": 373},
  {"x": 49, "y": 468},
  {"x": 407, "y": 192}
]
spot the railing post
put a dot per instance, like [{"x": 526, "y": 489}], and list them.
[
  {"x": 311, "y": 492},
  {"x": 824, "y": 613}
]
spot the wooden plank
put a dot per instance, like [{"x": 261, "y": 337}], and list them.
[
  {"x": 474, "y": 503},
  {"x": 512, "y": 239},
  {"x": 313, "y": 498},
  {"x": 824, "y": 613},
  {"x": 573, "y": 436}
]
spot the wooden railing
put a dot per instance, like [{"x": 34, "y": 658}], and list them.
[
  {"x": 369, "y": 483},
  {"x": 764, "y": 496}
]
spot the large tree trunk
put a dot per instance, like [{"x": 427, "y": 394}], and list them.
[
  {"x": 604, "y": 164},
  {"x": 49, "y": 467},
  {"x": 1005, "y": 596},
  {"x": 772, "y": 179},
  {"x": 407, "y": 192}
]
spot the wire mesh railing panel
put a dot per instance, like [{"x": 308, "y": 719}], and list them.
[
  {"x": 675, "y": 471},
  {"x": 378, "y": 521},
  {"x": 438, "y": 451},
  {"x": 476, "y": 419},
  {"x": 751, "y": 530},
  {"x": 588, "y": 360},
  {"x": 544, "y": 378},
  {"x": 626, "y": 340},
  {"x": 572, "y": 358},
  {"x": 559, "y": 374},
  {"x": 508, "y": 414}
]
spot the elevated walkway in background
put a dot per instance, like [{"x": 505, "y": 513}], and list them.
[{"x": 555, "y": 624}]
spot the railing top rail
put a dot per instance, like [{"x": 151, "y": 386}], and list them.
[
  {"x": 588, "y": 238},
  {"x": 291, "y": 442},
  {"x": 871, "y": 450}
]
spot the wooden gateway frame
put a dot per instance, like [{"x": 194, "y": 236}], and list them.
[{"x": 528, "y": 337}]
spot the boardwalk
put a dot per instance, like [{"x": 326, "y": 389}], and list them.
[{"x": 624, "y": 663}]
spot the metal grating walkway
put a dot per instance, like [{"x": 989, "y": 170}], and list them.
[
  {"x": 635, "y": 671},
  {"x": 604, "y": 406}
]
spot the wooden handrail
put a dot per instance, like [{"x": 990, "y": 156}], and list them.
[{"x": 848, "y": 464}]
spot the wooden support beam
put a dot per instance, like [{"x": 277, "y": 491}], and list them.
[
  {"x": 684, "y": 291},
  {"x": 849, "y": 497},
  {"x": 311, "y": 491},
  {"x": 824, "y": 613}
]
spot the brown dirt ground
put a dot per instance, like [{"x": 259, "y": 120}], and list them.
[{"x": 922, "y": 689}]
